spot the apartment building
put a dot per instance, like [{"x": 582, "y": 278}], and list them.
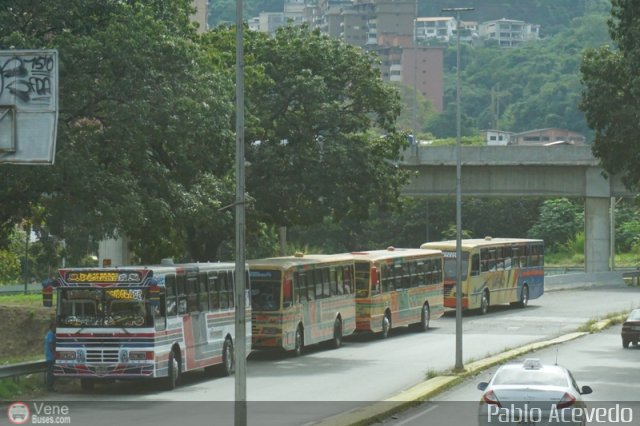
[
  {"x": 508, "y": 32},
  {"x": 440, "y": 28}
]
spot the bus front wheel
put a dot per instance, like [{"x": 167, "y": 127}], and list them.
[
  {"x": 524, "y": 296},
  {"x": 484, "y": 303},
  {"x": 173, "y": 372},
  {"x": 426, "y": 317},
  {"x": 386, "y": 326},
  {"x": 228, "y": 362},
  {"x": 299, "y": 342}
]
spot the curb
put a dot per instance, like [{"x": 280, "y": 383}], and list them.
[{"x": 381, "y": 410}]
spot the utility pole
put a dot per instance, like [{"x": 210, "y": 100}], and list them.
[
  {"x": 459, "y": 364},
  {"x": 240, "y": 350}
]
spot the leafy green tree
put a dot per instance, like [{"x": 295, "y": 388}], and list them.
[
  {"x": 144, "y": 141},
  {"x": 321, "y": 136},
  {"x": 611, "y": 94},
  {"x": 559, "y": 222}
]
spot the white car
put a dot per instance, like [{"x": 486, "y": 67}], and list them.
[{"x": 532, "y": 394}]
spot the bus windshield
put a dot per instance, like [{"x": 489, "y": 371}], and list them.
[
  {"x": 112, "y": 307},
  {"x": 450, "y": 265},
  {"x": 265, "y": 290}
]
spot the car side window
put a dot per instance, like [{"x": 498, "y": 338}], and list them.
[{"x": 574, "y": 383}]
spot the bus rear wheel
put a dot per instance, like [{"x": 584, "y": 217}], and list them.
[
  {"x": 299, "y": 342},
  {"x": 425, "y": 318},
  {"x": 337, "y": 334},
  {"x": 524, "y": 296},
  {"x": 484, "y": 303},
  {"x": 228, "y": 361},
  {"x": 173, "y": 372},
  {"x": 386, "y": 326}
]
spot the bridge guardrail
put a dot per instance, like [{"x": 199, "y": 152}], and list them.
[
  {"x": 22, "y": 368},
  {"x": 632, "y": 277}
]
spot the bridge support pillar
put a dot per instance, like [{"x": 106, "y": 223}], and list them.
[{"x": 597, "y": 232}]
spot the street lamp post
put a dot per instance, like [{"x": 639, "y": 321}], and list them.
[
  {"x": 459, "y": 365},
  {"x": 240, "y": 357}
]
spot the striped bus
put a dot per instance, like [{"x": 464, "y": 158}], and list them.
[
  {"x": 145, "y": 321},
  {"x": 397, "y": 287},
  {"x": 494, "y": 271},
  {"x": 302, "y": 300}
]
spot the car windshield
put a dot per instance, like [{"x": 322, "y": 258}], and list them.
[
  {"x": 538, "y": 377},
  {"x": 634, "y": 315}
]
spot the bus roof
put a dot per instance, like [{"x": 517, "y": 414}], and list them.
[
  {"x": 393, "y": 253},
  {"x": 297, "y": 260},
  {"x": 471, "y": 243}
]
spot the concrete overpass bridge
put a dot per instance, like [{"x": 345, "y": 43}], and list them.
[{"x": 524, "y": 171}]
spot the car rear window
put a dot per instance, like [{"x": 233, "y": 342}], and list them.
[
  {"x": 634, "y": 315},
  {"x": 531, "y": 377}
]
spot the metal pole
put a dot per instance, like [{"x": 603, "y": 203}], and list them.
[
  {"x": 459, "y": 364},
  {"x": 26, "y": 256},
  {"x": 240, "y": 352},
  {"x": 415, "y": 82}
]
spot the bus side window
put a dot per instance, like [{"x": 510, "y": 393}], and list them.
[
  {"x": 214, "y": 288},
  {"x": 182, "y": 297},
  {"x": 192, "y": 293},
  {"x": 339, "y": 281},
  {"x": 311, "y": 287},
  {"x": 317, "y": 279},
  {"x": 333, "y": 279},
  {"x": 160, "y": 314},
  {"x": 222, "y": 286},
  {"x": 475, "y": 265},
  {"x": 203, "y": 294},
  {"x": 172, "y": 302},
  {"x": 387, "y": 279},
  {"x": 326, "y": 283},
  {"x": 231, "y": 288},
  {"x": 422, "y": 277},
  {"x": 287, "y": 292}
]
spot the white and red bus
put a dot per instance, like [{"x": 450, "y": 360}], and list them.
[{"x": 146, "y": 321}]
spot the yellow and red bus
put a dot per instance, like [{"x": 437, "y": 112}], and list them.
[
  {"x": 302, "y": 300},
  {"x": 494, "y": 271},
  {"x": 145, "y": 321},
  {"x": 397, "y": 287}
]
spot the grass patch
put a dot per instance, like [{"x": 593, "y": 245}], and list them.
[
  {"x": 24, "y": 386},
  {"x": 612, "y": 318},
  {"x": 33, "y": 300}
]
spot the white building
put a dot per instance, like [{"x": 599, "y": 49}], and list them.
[
  {"x": 440, "y": 28},
  {"x": 509, "y": 32}
]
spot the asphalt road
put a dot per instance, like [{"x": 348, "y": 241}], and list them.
[
  {"x": 293, "y": 391},
  {"x": 597, "y": 360}
]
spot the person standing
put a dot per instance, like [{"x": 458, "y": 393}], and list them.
[{"x": 50, "y": 354}]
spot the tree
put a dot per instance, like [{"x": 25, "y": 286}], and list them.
[
  {"x": 559, "y": 222},
  {"x": 321, "y": 135},
  {"x": 144, "y": 142},
  {"x": 611, "y": 94}
]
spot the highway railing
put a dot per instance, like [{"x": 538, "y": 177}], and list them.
[
  {"x": 23, "y": 368},
  {"x": 632, "y": 277}
]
